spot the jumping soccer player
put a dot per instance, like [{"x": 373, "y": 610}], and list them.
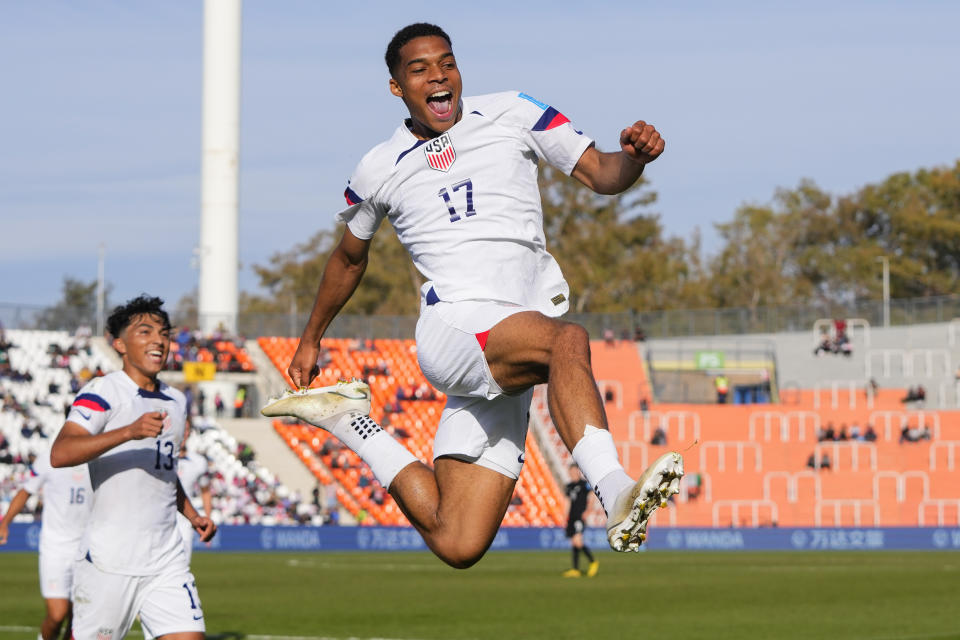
[
  {"x": 66, "y": 506},
  {"x": 458, "y": 181},
  {"x": 128, "y": 426}
]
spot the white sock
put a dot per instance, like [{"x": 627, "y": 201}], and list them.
[
  {"x": 375, "y": 446},
  {"x": 596, "y": 455}
]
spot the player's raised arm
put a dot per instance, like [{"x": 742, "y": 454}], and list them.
[
  {"x": 341, "y": 275},
  {"x": 75, "y": 445},
  {"x": 611, "y": 173}
]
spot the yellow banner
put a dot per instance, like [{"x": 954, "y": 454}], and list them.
[{"x": 199, "y": 371}]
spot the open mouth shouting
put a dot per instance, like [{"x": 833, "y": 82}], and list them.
[{"x": 441, "y": 104}]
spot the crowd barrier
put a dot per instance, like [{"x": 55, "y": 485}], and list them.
[{"x": 25, "y": 537}]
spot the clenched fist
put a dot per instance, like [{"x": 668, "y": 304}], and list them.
[
  {"x": 641, "y": 142},
  {"x": 149, "y": 425}
]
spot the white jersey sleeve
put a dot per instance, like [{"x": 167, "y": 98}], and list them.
[
  {"x": 364, "y": 213},
  {"x": 549, "y": 133},
  {"x": 90, "y": 409},
  {"x": 33, "y": 484}
]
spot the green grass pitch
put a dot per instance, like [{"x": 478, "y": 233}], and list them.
[{"x": 412, "y": 596}]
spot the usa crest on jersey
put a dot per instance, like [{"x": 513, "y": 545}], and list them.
[{"x": 440, "y": 153}]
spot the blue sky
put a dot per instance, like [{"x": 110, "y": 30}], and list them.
[{"x": 100, "y": 114}]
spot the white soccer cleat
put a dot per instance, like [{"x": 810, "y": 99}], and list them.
[
  {"x": 322, "y": 406},
  {"x": 627, "y": 522}
]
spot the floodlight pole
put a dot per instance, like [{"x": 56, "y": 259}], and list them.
[
  {"x": 218, "y": 251},
  {"x": 886, "y": 289}
]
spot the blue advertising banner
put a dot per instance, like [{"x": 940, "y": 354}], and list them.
[{"x": 25, "y": 537}]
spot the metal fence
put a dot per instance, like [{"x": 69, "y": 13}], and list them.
[{"x": 654, "y": 324}]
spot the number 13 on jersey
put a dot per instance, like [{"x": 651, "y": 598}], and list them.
[{"x": 467, "y": 187}]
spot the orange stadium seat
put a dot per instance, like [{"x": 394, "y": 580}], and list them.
[
  {"x": 752, "y": 459},
  {"x": 541, "y": 500}
]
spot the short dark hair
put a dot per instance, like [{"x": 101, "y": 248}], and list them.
[
  {"x": 405, "y": 35},
  {"x": 123, "y": 315}
]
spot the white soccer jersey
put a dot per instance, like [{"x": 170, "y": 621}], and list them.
[
  {"x": 67, "y": 497},
  {"x": 132, "y": 528},
  {"x": 466, "y": 205}
]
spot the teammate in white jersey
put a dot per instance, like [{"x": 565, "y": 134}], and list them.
[
  {"x": 458, "y": 181},
  {"x": 128, "y": 426},
  {"x": 192, "y": 469},
  {"x": 66, "y": 507}
]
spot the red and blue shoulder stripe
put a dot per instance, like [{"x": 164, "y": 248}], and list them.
[
  {"x": 351, "y": 197},
  {"x": 91, "y": 401},
  {"x": 550, "y": 119}
]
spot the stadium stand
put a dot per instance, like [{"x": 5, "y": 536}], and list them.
[
  {"x": 761, "y": 464},
  {"x": 193, "y": 346},
  {"x": 773, "y": 464},
  {"x": 407, "y": 406},
  {"x": 40, "y": 372}
]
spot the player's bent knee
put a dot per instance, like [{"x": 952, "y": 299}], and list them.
[
  {"x": 462, "y": 554},
  {"x": 573, "y": 339},
  {"x": 462, "y": 560}
]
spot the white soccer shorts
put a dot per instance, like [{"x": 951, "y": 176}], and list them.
[
  {"x": 480, "y": 424},
  {"x": 105, "y": 604},
  {"x": 56, "y": 573}
]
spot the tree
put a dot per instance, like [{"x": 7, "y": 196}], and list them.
[
  {"x": 824, "y": 250},
  {"x": 77, "y": 306},
  {"x": 612, "y": 252},
  {"x": 390, "y": 286}
]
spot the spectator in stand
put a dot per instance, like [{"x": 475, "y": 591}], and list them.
[
  {"x": 722, "y": 385},
  {"x": 855, "y": 432},
  {"x": 659, "y": 437},
  {"x": 842, "y": 435},
  {"x": 364, "y": 480},
  {"x": 824, "y": 434},
  {"x": 826, "y": 345},
  {"x": 608, "y": 395},
  {"x": 824, "y": 461},
  {"x": 914, "y": 434},
  {"x": 915, "y": 394},
  {"x": 238, "y": 401},
  {"x": 609, "y": 337},
  {"x": 639, "y": 335},
  {"x": 644, "y": 404},
  {"x": 869, "y": 435},
  {"x": 694, "y": 486}
]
